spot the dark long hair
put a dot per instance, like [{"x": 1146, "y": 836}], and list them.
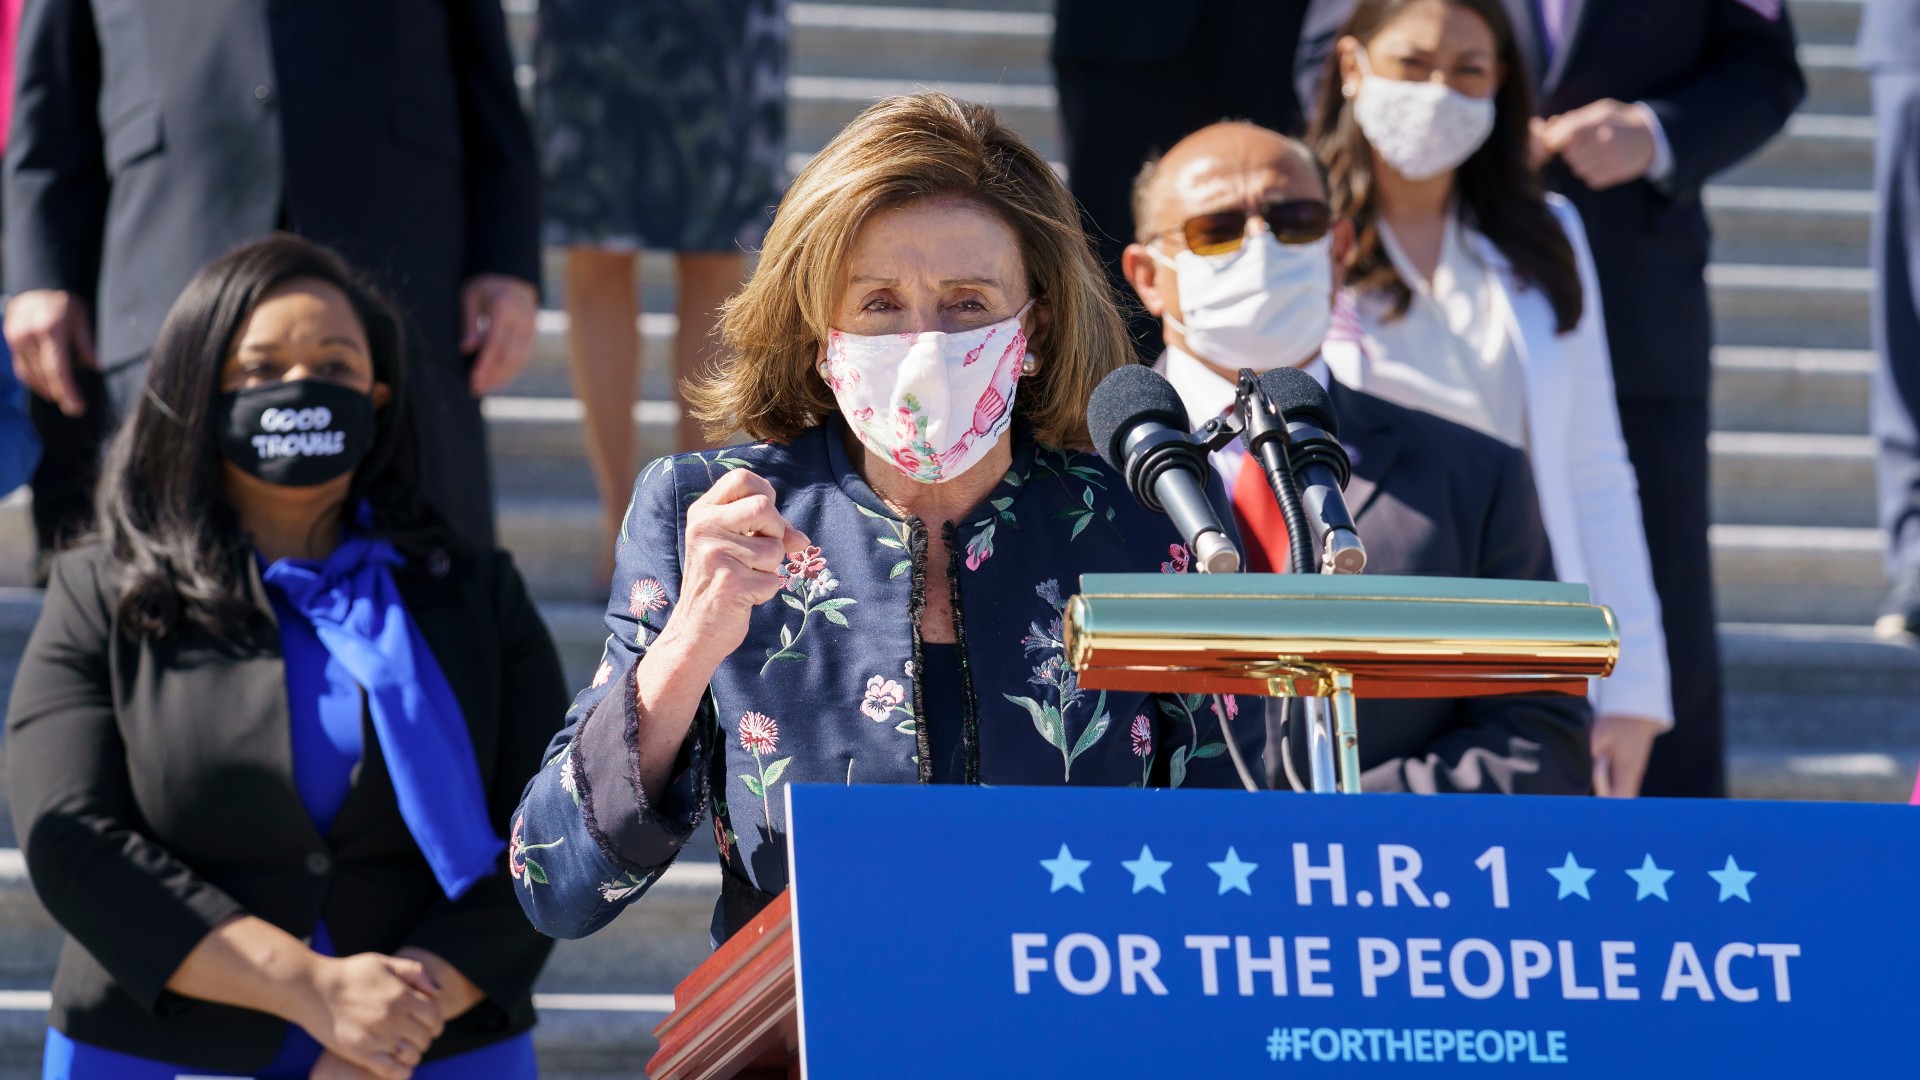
[
  {"x": 163, "y": 514},
  {"x": 1497, "y": 187}
]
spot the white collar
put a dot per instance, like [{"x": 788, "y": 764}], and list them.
[{"x": 1204, "y": 393}]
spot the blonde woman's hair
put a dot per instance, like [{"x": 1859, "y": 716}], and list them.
[{"x": 902, "y": 150}]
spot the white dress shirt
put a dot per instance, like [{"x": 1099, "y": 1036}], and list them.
[
  {"x": 1207, "y": 395},
  {"x": 1450, "y": 353}
]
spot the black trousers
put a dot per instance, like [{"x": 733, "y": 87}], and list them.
[
  {"x": 1667, "y": 443},
  {"x": 71, "y": 449},
  {"x": 1237, "y": 65}
]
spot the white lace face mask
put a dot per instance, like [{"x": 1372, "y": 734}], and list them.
[
  {"x": 931, "y": 404},
  {"x": 1422, "y": 129},
  {"x": 1264, "y": 306}
]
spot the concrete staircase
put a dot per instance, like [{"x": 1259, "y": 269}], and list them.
[{"x": 1816, "y": 707}]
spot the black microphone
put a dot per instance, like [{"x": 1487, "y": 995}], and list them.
[
  {"x": 1140, "y": 428},
  {"x": 1320, "y": 465}
]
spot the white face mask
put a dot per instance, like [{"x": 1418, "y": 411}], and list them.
[
  {"x": 1263, "y": 306},
  {"x": 1422, "y": 129},
  {"x": 932, "y": 404}
]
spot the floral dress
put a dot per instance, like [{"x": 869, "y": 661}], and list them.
[
  {"x": 662, "y": 123},
  {"x": 824, "y": 691}
]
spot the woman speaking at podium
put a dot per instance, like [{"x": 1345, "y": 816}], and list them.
[{"x": 872, "y": 592}]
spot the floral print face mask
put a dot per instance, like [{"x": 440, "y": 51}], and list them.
[{"x": 931, "y": 404}]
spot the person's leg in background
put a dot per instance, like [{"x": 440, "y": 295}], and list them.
[
  {"x": 1667, "y": 444},
  {"x": 63, "y": 482},
  {"x": 1896, "y": 338},
  {"x": 706, "y": 278},
  {"x": 1114, "y": 114},
  {"x": 603, "y": 356},
  {"x": 456, "y": 472}
]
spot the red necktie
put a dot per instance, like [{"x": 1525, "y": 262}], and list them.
[{"x": 1263, "y": 531}]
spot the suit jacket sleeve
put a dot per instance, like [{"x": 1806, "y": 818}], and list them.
[
  {"x": 55, "y": 188},
  {"x": 124, "y": 898},
  {"x": 1512, "y": 745},
  {"x": 502, "y": 175},
  {"x": 586, "y": 840},
  {"x": 483, "y": 934},
  {"x": 1746, "y": 87}
]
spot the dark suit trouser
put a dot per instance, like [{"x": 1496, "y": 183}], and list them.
[
  {"x": 1116, "y": 113},
  {"x": 1896, "y": 313},
  {"x": 71, "y": 449},
  {"x": 1667, "y": 444}
]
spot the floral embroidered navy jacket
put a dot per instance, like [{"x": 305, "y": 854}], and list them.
[{"x": 823, "y": 689}]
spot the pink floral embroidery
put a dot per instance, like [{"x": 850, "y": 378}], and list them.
[
  {"x": 883, "y": 695},
  {"x": 759, "y": 734},
  {"x": 1178, "y": 560},
  {"x": 602, "y": 674},
  {"x": 516, "y": 849},
  {"x": 1142, "y": 733},
  {"x": 906, "y": 427},
  {"x": 647, "y": 597},
  {"x": 808, "y": 564}
]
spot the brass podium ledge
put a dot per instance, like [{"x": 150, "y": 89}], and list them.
[{"x": 1287, "y": 635}]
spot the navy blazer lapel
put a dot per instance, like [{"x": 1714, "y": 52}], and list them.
[
  {"x": 1370, "y": 440},
  {"x": 1570, "y": 33}
]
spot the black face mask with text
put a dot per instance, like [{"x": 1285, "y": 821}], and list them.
[{"x": 296, "y": 434}]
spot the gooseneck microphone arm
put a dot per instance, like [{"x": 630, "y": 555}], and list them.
[
  {"x": 1319, "y": 465},
  {"x": 1264, "y": 431}
]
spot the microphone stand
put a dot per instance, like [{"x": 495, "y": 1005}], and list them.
[{"x": 1264, "y": 430}]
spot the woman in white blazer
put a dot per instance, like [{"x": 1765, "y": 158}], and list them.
[{"x": 1470, "y": 293}]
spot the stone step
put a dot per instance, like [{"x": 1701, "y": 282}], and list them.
[
  {"x": 927, "y": 43},
  {"x": 1835, "y": 81},
  {"x": 1816, "y": 150},
  {"x": 1797, "y": 226},
  {"x": 1820, "y": 391},
  {"x": 818, "y": 106},
  {"x": 1797, "y": 573},
  {"x": 1805, "y": 306},
  {"x": 1775, "y": 478},
  {"x": 1832, "y": 22}
]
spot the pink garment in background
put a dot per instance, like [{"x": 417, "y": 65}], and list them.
[{"x": 9, "y": 34}]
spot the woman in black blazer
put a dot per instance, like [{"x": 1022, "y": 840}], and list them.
[{"x": 268, "y": 731}]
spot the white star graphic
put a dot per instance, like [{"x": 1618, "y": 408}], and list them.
[
  {"x": 1572, "y": 878},
  {"x": 1733, "y": 881},
  {"x": 1234, "y": 873},
  {"x": 1066, "y": 870},
  {"x": 1650, "y": 879},
  {"x": 1147, "y": 871}
]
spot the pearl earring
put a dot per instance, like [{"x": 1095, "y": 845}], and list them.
[
  {"x": 1029, "y": 365},
  {"x": 1347, "y": 90}
]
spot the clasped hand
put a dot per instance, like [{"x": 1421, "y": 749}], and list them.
[
  {"x": 375, "y": 1015},
  {"x": 1606, "y": 143}
]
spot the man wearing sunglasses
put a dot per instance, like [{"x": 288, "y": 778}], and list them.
[{"x": 1237, "y": 256}]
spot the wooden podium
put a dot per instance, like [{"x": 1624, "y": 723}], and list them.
[{"x": 736, "y": 1015}]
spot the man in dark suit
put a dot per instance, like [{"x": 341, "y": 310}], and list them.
[
  {"x": 1137, "y": 75},
  {"x": 150, "y": 136},
  {"x": 1890, "y": 48},
  {"x": 1643, "y": 102},
  {"x": 1429, "y": 496}
]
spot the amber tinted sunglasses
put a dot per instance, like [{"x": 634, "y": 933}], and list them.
[{"x": 1298, "y": 221}]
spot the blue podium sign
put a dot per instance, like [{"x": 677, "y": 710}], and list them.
[{"x": 950, "y": 932}]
